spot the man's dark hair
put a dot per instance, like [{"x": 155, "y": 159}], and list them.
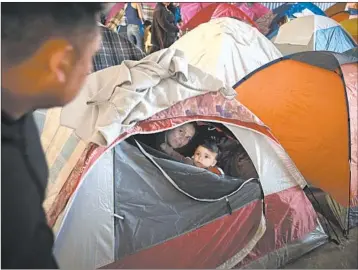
[
  {"x": 25, "y": 26},
  {"x": 211, "y": 145}
]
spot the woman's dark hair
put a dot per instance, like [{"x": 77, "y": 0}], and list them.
[
  {"x": 147, "y": 23},
  {"x": 211, "y": 145}
]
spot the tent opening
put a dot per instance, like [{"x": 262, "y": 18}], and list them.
[{"x": 234, "y": 167}]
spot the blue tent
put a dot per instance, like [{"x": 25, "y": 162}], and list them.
[{"x": 287, "y": 11}]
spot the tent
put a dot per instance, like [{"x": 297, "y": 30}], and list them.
[
  {"x": 189, "y": 10},
  {"x": 352, "y": 53},
  {"x": 311, "y": 108},
  {"x": 253, "y": 10},
  {"x": 312, "y": 33},
  {"x": 336, "y": 8},
  {"x": 130, "y": 206},
  {"x": 342, "y": 11},
  {"x": 227, "y": 48},
  {"x": 351, "y": 26},
  {"x": 217, "y": 10},
  {"x": 290, "y": 11}
]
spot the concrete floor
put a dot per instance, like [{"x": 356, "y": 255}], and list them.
[{"x": 331, "y": 256}]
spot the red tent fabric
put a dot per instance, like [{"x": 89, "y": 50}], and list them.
[
  {"x": 189, "y": 10},
  {"x": 217, "y": 10},
  {"x": 114, "y": 10},
  {"x": 255, "y": 10}
]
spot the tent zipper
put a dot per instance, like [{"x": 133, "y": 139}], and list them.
[{"x": 228, "y": 205}]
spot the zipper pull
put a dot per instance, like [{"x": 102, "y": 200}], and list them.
[{"x": 228, "y": 205}]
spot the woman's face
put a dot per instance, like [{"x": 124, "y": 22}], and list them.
[{"x": 180, "y": 136}]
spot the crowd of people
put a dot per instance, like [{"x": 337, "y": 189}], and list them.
[{"x": 149, "y": 36}]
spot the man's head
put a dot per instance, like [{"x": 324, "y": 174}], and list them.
[
  {"x": 180, "y": 136},
  {"x": 206, "y": 154},
  {"x": 47, "y": 50}
]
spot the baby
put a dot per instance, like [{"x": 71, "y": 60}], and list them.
[{"x": 205, "y": 156}]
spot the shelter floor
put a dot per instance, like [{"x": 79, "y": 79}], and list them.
[{"x": 331, "y": 256}]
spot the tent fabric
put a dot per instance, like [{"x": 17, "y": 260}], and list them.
[
  {"x": 189, "y": 10},
  {"x": 253, "y": 10},
  {"x": 109, "y": 104},
  {"x": 342, "y": 11},
  {"x": 308, "y": 139},
  {"x": 290, "y": 11},
  {"x": 114, "y": 10},
  {"x": 351, "y": 26},
  {"x": 352, "y": 52},
  {"x": 281, "y": 183},
  {"x": 312, "y": 33},
  {"x": 277, "y": 258},
  {"x": 227, "y": 49},
  {"x": 165, "y": 206},
  {"x": 217, "y": 10},
  {"x": 336, "y": 8}
]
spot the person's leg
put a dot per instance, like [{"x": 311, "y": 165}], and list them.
[
  {"x": 131, "y": 33},
  {"x": 139, "y": 37}
]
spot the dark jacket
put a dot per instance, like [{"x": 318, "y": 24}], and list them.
[
  {"x": 164, "y": 30},
  {"x": 26, "y": 239}
]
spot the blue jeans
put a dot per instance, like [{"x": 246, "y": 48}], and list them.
[{"x": 134, "y": 35}]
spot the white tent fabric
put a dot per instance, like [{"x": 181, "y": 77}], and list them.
[
  {"x": 312, "y": 33},
  {"x": 301, "y": 30},
  {"x": 227, "y": 48}
]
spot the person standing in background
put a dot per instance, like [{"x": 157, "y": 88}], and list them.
[
  {"x": 135, "y": 28},
  {"x": 46, "y": 54},
  {"x": 175, "y": 9},
  {"x": 164, "y": 29}
]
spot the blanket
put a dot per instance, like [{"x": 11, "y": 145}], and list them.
[{"x": 117, "y": 98}]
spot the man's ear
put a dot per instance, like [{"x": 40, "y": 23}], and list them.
[
  {"x": 61, "y": 57},
  {"x": 47, "y": 68}
]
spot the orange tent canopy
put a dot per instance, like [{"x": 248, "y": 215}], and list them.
[
  {"x": 336, "y": 8},
  {"x": 303, "y": 100}
]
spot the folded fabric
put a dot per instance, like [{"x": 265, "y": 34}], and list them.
[{"x": 115, "y": 99}]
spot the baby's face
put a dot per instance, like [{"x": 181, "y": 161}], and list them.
[{"x": 204, "y": 158}]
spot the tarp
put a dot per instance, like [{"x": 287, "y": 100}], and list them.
[
  {"x": 227, "y": 48},
  {"x": 312, "y": 33}
]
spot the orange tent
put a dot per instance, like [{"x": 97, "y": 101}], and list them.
[
  {"x": 340, "y": 11},
  {"x": 336, "y": 8},
  {"x": 340, "y": 16},
  {"x": 351, "y": 26},
  {"x": 309, "y": 101},
  {"x": 217, "y": 10}
]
